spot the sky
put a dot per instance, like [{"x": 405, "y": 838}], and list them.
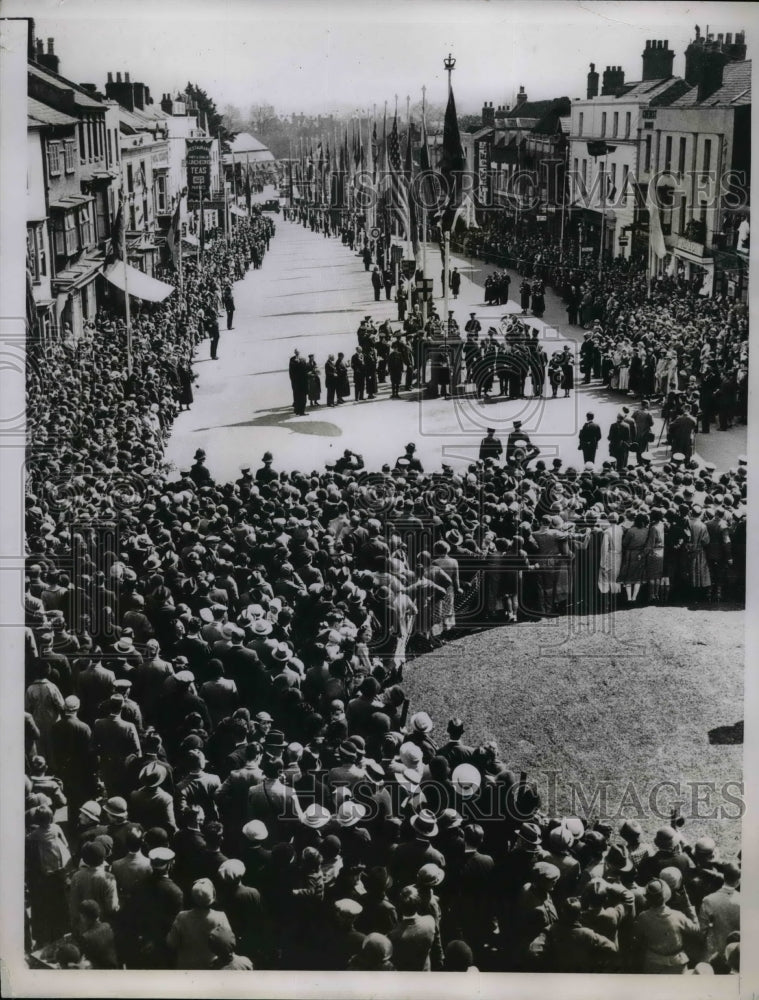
[{"x": 349, "y": 55}]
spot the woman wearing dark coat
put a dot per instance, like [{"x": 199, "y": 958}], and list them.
[
  {"x": 184, "y": 373},
  {"x": 314, "y": 382},
  {"x": 525, "y": 292},
  {"x": 567, "y": 373}
]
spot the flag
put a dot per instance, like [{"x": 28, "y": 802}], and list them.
[
  {"x": 655, "y": 234},
  {"x": 374, "y": 149},
  {"x": 412, "y": 212},
  {"x": 397, "y": 189},
  {"x": 247, "y": 187},
  {"x": 173, "y": 235},
  {"x": 117, "y": 232},
  {"x": 452, "y": 167},
  {"x": 31, "y": 307}
]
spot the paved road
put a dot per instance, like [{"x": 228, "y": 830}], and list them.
[{"x": 311, "y": 293}]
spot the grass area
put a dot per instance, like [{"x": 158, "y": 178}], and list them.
[{"x": 613, "y": 713}]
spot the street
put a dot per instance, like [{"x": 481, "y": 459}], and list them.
[{"x": 311, "y": 293}]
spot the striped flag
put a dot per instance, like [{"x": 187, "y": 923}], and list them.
[
  {"x": 655, "y": 234},
  {"x": 117, "y": 232},
  {"x": 397, "y": 189}
]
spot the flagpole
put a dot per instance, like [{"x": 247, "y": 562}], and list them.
[
  {"x": 179, "y": 236},
  {"x": 449, "y": 65},
  {"x": 409, "y": 247},
  {"x": 127, "y": 311},
  {"x": 603, "y": 219},
  {"x": 223, "y": 179},
  {"x": 563, "y": 204},
  {"x": 422, "y": 200}
]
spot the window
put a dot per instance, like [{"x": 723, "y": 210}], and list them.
[
  {"x": 86, "y": 234},
  {"x": 628, "y": 120},
  {"x": 603, "y": 123},
  {"x": 160, "y": 194},
  {"x": 65, "y": 233},
  {"x": 668, "y": 153},
  {"x": 707, "y": 154},
  {"x": 647, "y": 162},
  {"x": 575, "y": 174},
  {"x": 584, "y": 173},
  {"x": 130, "y": 178},
  {"x": 613, "y": 189},
  {"x": 36, "y": 260},
  {"x": 579, "y": 127},
  {"x": 615, "y": 133},
  {"x": 69, "y": 151},
  {"x": 54, "y": 159},
  {"x": 681, "y": 227},
  {"x": 681, "y": 157},
  {"x": 625, "y": 175},
  {"x": 96, "y": 139}
]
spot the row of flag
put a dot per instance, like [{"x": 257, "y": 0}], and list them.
[{"x": 382, "y": 179}]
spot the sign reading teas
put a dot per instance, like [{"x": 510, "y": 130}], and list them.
[{"x": 198, "y": 167}]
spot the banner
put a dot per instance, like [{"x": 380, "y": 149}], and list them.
[{"x": 198, "y": 159}]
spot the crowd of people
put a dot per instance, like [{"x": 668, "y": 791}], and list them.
[
  {"x": 646, "y": 340},
  {"x": 223, "y": 770}
]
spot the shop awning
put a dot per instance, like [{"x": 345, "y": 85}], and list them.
[
  {"x": 238, "y": 211},
  {"x": 138, "y": 284}
]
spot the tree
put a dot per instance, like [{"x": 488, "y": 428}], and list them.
[{"x": 213, "y": 121}]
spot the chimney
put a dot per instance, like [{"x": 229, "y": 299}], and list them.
[
  {"x": 712, "y": 68},
  {"x": 592, "y": 82},
  {"x": 148, "y": 98},
  {"x": 488, "y": 115},
  {"x": 167, "y": 104},
  {"x": 40, "y": 49},
  {"x": 138, "y": 95},
  {"x": 118, "y": 77},
  {"x": 110, "y": 78},
  {"x": 31, "y": 48},
  {"x": 613, "y": 81},
  {"x": 521, "y": 97},
  {"x": 658, "y": 58},
  {"x": 120, "y": 92},
  {"x": 47, "y": 59},
  {"x": 126, "y": 78}
]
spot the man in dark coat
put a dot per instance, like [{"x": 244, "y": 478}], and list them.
[
  {"x": 681, "y": 431},
  {"x": 299, "y": 381},
  {"x": 590, "y": 435},
  {"x": 229, "y": 305},
  {"x": 455, "y": 282},
  {"x": 358, "y": 364},
  {"x": 395, "y": 367},
  {"x": 387, "y": 280},
  {"x": 72, "y": 758},
  {"x": 113, "y": 740},
  {"x": 212, "y": 329},
  {"x": 619, "y": 441},
  {"x": 490, "y": 446},
  {"x": 376, "y": 283}
]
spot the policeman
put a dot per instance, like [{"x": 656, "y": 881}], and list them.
[
  {"x": 519, "y": 439},
  {"x": 409, "y": 461}
]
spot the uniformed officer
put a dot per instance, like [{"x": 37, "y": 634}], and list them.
[
  {"x": 518, "y": 438},
  {"x": 490, "y": 446},
  {"x": 409, "y": 460}
]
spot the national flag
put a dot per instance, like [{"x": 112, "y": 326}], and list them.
[
  {"x": 397, "y": 190},
  {"x": 374, "y": 152},
  {"x": 452, "y": 167},
  {"x": 173, "y": 234},
  {"x": 143, "y": 178},
  {"x": 248, "y": 192},
  {"x": 412, "y": 212},
  {"x": 31, "y": 307},
  {"x": 655, "y": 234}
]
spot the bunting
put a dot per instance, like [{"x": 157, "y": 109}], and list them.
[{"x": 398, "y": 201}]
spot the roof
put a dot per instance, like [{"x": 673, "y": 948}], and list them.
[
  {"x": 81, "y": 97},
  {"x": 244, "y": 142},
  {"x": 42, "y": 114},
  {"x": 734, "y": 92},
  {"x": 565, "y": 123},
  {"x": 529, "y": 109},
  {"x": 71, "y": 201},
  {"x": 549, "y": 123}
]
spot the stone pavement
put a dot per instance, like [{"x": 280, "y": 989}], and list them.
[{"x": 311, "y": 293}]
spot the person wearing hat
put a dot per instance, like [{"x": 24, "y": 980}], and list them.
[
  {"x": 188, "y": 937},
  {"x": 413, "y": 936},
  {"x": 662, "y": 934},
  {"x": 271, "y": 801},
  {"x": 70, "y": 744},
  {"x": 222, "y": 944},
  {"x": 490, "y": 446},
  {"x": 668, "y": 854},
  {"x": 410, "y": 463},
  {"x": 119, "y": 825},
  {"x": 150, "y": 804},
  {"x": 471, "y": 900},
  {"x": 378, "y": 914},
  {"x": 420, "y": 727},
  {"x": 349, "y": 771},
  {"x": 243, "y": 907},
  {"x": 706, "y": 876},
  {"x": 560, "y": 844},
  {"x": 199, "y": 473},
  {"x": 92, "y": 880},
  {"x": 199, "y": 787},
  {"x": 410, "y": 855},
  {"x": 534, "y": 916},
  {"x": 341, "y": 938},
  {"x": 720, "y": 913},
  {"x": 113, "y": 741}
]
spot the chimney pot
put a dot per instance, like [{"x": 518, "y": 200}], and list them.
[
  {"x": 666, "y": 43},
  {"x": 729, "y": 38},
  {"x": 50, "y": 47},
  {"x": 110, "y": 78},
  {"x": 720, "y": 36},
  {"x": 40, "y": 47},
  {"x": 118, "y": 77},
  {"x": 126, "y": 78}
]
